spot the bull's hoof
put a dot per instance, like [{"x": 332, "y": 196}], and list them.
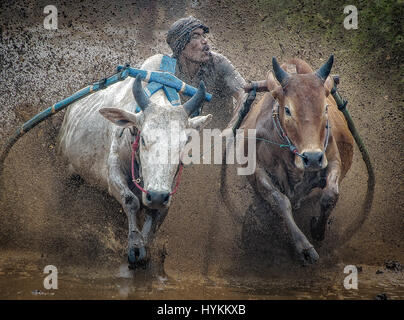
[
  {"x": 137, "y": 258},
  {"x": 307, "y": 254},
  {"x": 310, "y": 256},
  {"x": 316, "y": 229},
  {"x": 328, "y": 200}
]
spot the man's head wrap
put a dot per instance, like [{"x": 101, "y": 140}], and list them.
[{"x": 180, "y": 33}]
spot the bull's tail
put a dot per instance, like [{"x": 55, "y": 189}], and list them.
[{"x": 367, "y": 205}]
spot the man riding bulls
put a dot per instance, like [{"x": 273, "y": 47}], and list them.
[{"x": 195, "y": 62}]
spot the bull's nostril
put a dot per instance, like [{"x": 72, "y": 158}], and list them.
[
  {"x": 320, "y": 159},
  {"x": 148, "y": 197},
  {"x": 305, "y": 160},
  {"x": 166, "y": 198},
  {"x": 312, "y": 159}
]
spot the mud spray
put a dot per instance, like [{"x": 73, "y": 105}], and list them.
[{"x": 48, "y": 217}]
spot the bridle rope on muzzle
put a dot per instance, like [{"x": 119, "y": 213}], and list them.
[{"x": 281, "y": 133}]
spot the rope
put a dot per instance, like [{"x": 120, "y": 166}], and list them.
[
  {"x": 135, "y": 145},
  {"x": 178, "y": 179},
  {"x": 367, "y": 204}
]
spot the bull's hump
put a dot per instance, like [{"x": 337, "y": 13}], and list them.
[{"x": 153, "y": 62}]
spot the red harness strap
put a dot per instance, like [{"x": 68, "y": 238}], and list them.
[
  {"x": 135, "y": 146},
  {"x": 178, "y": 179}
]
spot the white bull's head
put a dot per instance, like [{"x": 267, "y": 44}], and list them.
[{"x": 164, "y": 133}]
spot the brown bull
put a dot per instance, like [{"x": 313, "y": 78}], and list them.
[{"x": 316, "y": 152}]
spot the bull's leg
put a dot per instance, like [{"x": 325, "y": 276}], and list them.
[
  {"x": 328, "y": 200},
  {"x": 152, "y": 221},
  {"x": 281, "y": 205},
  {"x": 119, "y": 189}
]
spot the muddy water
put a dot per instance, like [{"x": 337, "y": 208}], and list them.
[{"x": 21, "y": 277}]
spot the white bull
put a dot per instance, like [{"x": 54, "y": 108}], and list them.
[{"x": 97, "y": 150}]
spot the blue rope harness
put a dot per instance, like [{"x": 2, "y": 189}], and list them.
[
  {"x": 163, "y": 79},
  {"x": 167, "y": 65}
]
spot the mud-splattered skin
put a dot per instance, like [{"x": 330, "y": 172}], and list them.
[
  {"x": 222, "y": 80},
  {"x": 284, "y": 179},
  {"x": 97, "y": 150},
  {"x": 196, "y": 62},
  {"x": 197, "y": 50}
]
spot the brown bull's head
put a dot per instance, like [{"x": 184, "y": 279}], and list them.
[{"x": 303, "y": 110}]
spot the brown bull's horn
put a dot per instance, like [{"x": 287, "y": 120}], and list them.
[
  {"x": 196, "y": 101},
  {"x": 281, "y": 75},
  {"x": 260, "y": 86},
  {"x": 325, "y": 69},
  {"x": 138, "y": 92}
]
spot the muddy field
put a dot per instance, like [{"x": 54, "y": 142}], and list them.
[{"x": 49, "y": 218}]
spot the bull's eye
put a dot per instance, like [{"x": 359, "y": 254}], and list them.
[
  {"x": 326, "y": 108},
  {"x": 287, "y": 111},
  {"x": 141, "y": 138}
]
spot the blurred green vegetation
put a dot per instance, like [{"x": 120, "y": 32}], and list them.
[{"x": 380, "y": 27}]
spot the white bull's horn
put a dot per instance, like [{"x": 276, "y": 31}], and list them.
[
  {"x": 138, "y": 92},
  {"x": 196, "y": 101}
]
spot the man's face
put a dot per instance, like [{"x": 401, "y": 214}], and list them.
[{"x": 197, "y": 49}]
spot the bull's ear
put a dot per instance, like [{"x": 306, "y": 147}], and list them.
[
  {"x": 279, "y": 95},
  {"x": 198, "y": 123},
  {"x": 328, "y": 84},
  {"x": 272, "y": 84},
  {"x": 122, "y": 117}
]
